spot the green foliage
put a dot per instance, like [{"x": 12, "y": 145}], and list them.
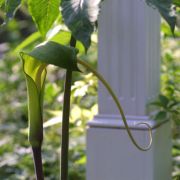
[
  {"x": 82, "y": 25},
  {"x": 168, "y": 108},
  {"x": 166, "y": 31},
  {"x": 63, "y": 37},
  {"x": 170, "y": 81},
  {"x": 167, "y": 105},
  {"x": 15, "y": 153},
  {"x": 80, "y": 16},
  {"x": 28, "y": 41},
  {"x": 1, "y": 2},
  {"x": 44, "y": 13},
  {"x": 56, "y": 54},
  {"x": 176, "y": 2}
]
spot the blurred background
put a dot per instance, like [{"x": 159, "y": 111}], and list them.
[{"x": 15, "y": 153}]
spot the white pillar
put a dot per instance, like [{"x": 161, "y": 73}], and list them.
[{"x": 129, "y": 59}]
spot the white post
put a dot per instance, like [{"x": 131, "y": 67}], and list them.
[{"x": 129, "y": 58}]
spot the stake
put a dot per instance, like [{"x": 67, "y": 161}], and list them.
[{"x": 65, "y": 121}]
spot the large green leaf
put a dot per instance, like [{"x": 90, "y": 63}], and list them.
[
  {"x": 34, "y": 66},
  {"x": 30, "y": 40},
  {"x": 44, "y": 13},
  {"x": 63, "y": 37},
  {"x": 166, "y": 10},
  {"x": 80, "y": 16},
  {"x": 56, "y": 54},
  {"x": 11, "y": 7}
]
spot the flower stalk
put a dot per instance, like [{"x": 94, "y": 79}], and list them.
[{"x": 65, "y": 120}]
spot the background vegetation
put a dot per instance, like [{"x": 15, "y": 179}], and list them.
[{"x": 15, "y": 157}]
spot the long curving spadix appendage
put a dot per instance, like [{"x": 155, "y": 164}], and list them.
[{"x": 99, "y": 76}]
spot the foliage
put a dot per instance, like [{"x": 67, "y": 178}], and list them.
[
  {"x": 81, "y": 17},
  {"x": 170, "y": 88},
  {"x": 44, "y": 13},
  {"x": 85, "y": 16},
  {"x": 16, "y": 161},
  {"x": 167, "y": 105}
]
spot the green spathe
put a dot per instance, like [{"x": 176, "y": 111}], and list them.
[
  {"x": 35, "y": 73},
  {"x": 34, "y": 67}
]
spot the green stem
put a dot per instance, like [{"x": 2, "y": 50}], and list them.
[
  {"x": 65, "y": 121},
  {"x": 38, "y": 163},
  {"x": 65, "y": 127},
  {"x": 99, "y": 76}
]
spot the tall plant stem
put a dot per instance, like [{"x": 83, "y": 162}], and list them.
[
  {"x": 38, "y": 162},
  {"x": 65, "y": 121},
  {"x": 108, "y": 87}
]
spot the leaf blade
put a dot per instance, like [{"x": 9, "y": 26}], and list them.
[
  {"x": 165, "y": 9},
  {"x": 80, "y": 16},
  {"x": 44, "y": 13},
  {"x": 28, "y": 41},
  {"x": 56, "y": 54}
]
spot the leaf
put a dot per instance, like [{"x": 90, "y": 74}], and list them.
[
  {"x": 56, "y": 54},
  {"x": 164, "y": 100},
  {"x": 44, "y": 13},
  {"x": 176, "y": 2},
  {"x": 174, "y": 104},
  {"x": 162, "y": 115},
  {"x": 11, "y": 7},
  {"x": 34, "y": 67},
  {"x": 156, "y": 103},
  {"x": 28, "y": 41},
  {"x": 80, "y": 16},
  {"x": 63, "y": 37},
  {"x": 166, "y": 11}
]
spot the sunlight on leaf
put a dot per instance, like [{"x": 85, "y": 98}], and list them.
[
  {"x": 63, "y": 37},
  {"x": 80, "y": 16},
  {"x": 53, "y": 121},
  {"x": 44, "y": 13},
  {"x": 28, "y": 41}
]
